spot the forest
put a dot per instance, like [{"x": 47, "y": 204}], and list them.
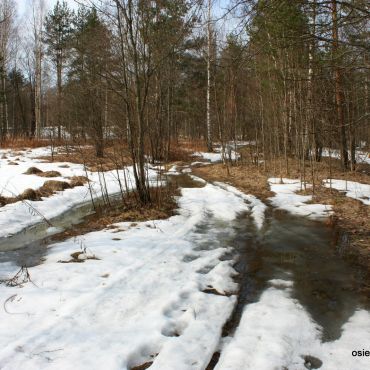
[{"x": 185, "y": 184}]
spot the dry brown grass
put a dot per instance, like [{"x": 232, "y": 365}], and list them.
[
  {"x": 193, "y": 145},
  {"x": 23, "y": 142},
  {"x": 245, "y": 177},
  {"x": 163, "y": 206},
  {"x": 115, "y": 156},
  {"x": 179, "y": 154}
]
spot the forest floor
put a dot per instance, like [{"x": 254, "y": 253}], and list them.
[{"x": 132, "y": 288}]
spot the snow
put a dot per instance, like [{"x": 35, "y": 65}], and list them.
[
  {"x": 276, "y": 333},
  {"x": 287, "y": 199},
  {"x": 52, "y": 132},
  {"x": 196, "y": 178},
  {"x": 217, "y": 155},
  {"x": 13, "y": 181},
  {"x": 139, "y": 293},
  {"x": 173, "y": 170},
  {"x": 143, "y": 296},
  {"x": 16, "y": 216},
  {"x": 353, "y": 189},
  {"x": 361, "y": 156},
  {"x": 256, "y": 206}
]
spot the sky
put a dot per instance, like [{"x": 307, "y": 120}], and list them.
[
  {"x": 24, "y": 5},
  {"x": 218, "y": 9}
]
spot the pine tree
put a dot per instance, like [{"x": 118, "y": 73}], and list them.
[
  {"x": 58, "y": 31},
  {"x": 89, "y": 63}
]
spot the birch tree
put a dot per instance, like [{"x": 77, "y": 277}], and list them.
[{"x": 38, "y": 8}]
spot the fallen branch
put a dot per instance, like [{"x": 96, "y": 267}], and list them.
[{"x": 20, "y": 278}]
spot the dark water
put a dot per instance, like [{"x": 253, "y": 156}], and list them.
[
  {"x": 27, "y": 247},
  {"x": 304, "y": 252}
]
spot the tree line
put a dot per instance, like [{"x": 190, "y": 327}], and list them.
[{"x": 290, "y": 76}]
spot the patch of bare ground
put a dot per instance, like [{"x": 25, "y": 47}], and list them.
[
  {"x": 143, "y": 366},
  {"x": 351, "y": 217},
  {"x": 245, "y": 177},
  {"x": 115, "y": 156},
  {"x": 79, "y": 257},
  {"x": 22, "y": 143},
  {"x": 163, "y": 205}
]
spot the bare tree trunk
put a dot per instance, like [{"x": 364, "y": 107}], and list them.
[
  {"x": 59, "y": 98},
  {"x": 4, "y": 104},
  {"x": 37, "y": 30},
  {"x": 209, "y": 124},
  {"x": 339, "y": 96}
]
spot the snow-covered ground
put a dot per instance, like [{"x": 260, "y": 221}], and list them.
[
  {"x": 257, "y": 207},
  {"x": 16, "y": 216},
  {"x": 287, "y": 199},
  {"x": 353, "y": 189},
  {"x": 361, "y": 156},
  {"x": 277, "y": 333},
  {"x": 142, "y": 297},
  {"x": 14, "y": 164},
  {"x": 218, "y": 155}
]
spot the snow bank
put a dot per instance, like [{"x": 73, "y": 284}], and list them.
[
  {"x": 277, "y": 333},
  {"x": 13, "y": 181},
  {"x": 143, "y": 297},
  {"x": 287, "y": 199},
  {"x": 353, "y": 189},
  {"x": 16, "y": 216}
]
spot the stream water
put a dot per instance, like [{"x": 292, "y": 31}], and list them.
[
  {"x": 288, "y": 247},
  {"x": 27, "y": 247}
]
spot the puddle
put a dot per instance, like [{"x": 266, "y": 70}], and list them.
[{"x": 305, "y": 252}]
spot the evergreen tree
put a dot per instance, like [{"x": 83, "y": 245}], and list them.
[
  {"x": 89, "y": 63},
  {"x": 58, "y": 32}
]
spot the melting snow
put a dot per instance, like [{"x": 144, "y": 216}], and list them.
[
  {"x": 352, "y": 189},
  {"x": 277, "y": 333},
  {"x": 142, "y": 297},
  {"x": 16, "y": 216},
  {"x": 287, "y": 199}
]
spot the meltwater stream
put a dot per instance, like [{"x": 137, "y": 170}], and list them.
[{"x": 29, "y": 246}]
